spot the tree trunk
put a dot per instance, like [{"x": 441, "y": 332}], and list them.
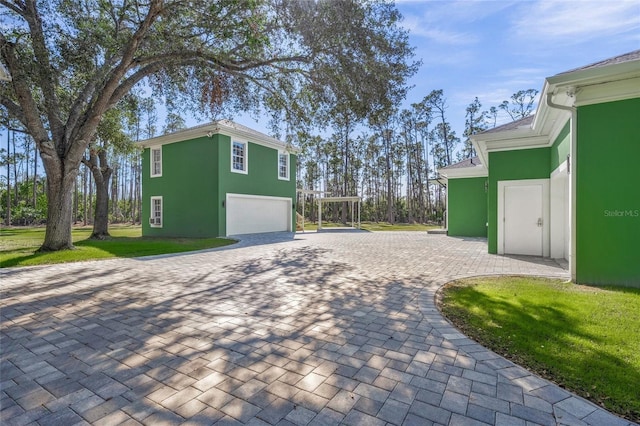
[
  {"x": 389, "y": 177},
  {"x": 75, "y": 202},
  {"x": 35, "y": 175},
  {"x": 16, "y": 201},
  {"x": 101, "y": 172},
  {"x": 60, "y": 183},
  {"x": 8, "y": 213},
  {"x": 101, "y": 218},
  {"x": 346, "y": 171},
  {"x": 84, "y": 197}
]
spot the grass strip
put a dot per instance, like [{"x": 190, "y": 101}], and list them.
[
  {"x": 18, "y": 246},
  {"x": 586, "y": 339}
]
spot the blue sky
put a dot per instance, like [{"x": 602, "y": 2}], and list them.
[{"x": 492, "y": 49}]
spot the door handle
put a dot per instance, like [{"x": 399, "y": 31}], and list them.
[{"x": 540, "y": 222}]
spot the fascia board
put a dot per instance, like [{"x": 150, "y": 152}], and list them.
[
  {"x": 595, "y": 75},
  {"x": 531, "y": 142},
  {"x": 256, "y": 137},
  {"x": 183, "y": 135},
  {"x": 585, "y": 87},
  {"x": 589, "y": 86},
  {"x": 608, "y": 92},
  {"x": 522, "y": 132},
  {"x": 465, "y": 172},
  {"x": 218, "y": 128},
  {"x": 483, "y": 155},
  {"x": 552, "y": 120},
  {"x": 480, "y": 150}
]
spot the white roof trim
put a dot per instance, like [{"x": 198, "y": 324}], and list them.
[
  {"x": 223, "y": 127},
  {"x": 464, "y": 172},
  {"x": 581, "y": 87}
]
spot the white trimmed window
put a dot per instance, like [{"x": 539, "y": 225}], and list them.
[
  {"x": 239, "y": 157},
  {"x": 156, "y": 162},
  {"x": 155, "y": 221},
  {"x": 283, "y": 165}
]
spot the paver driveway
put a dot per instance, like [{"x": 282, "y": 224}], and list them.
[{"x": 327, "y": 328}]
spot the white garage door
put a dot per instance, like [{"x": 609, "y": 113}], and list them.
[{"x": 250, "y": 214}]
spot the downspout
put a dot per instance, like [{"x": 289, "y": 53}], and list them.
[{"x": 571, "y": 168}]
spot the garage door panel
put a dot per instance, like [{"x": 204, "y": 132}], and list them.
[{"x": 247, "y": 214}]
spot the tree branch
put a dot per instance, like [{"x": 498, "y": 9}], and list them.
[
  {"x": 14, "y": 109},
  {"x": 178, "y": 58},
  {"x": 27, "y": 110},
  {"x": 17, "y": 9},
  {"x": 47, "y": 75},
  {"x": 102, "y": 99},
  {"x": 83, "y": 98}
]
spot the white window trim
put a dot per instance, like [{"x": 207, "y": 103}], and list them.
[
  {"x": 151, "y": 150},
  {"x": 246, "y": 157},
  {"x": 152, "y": 222},
  {"x": 287, "y": 156}
]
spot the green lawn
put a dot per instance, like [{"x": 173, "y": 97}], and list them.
[
  {"x": 374, "y": 226},
  {"x": 587, "y": 339},
  {"x": 18, "y": 246}
]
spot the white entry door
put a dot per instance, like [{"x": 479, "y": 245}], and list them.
[
  {"x": 523, "y": 217},
  {"x": 248, "y": 214}
]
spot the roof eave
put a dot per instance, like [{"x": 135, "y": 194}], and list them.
[
  {"x": 596, "y": 75},
  {"x": 218, "y": 127},
  {"x": 574, "y": 88},
  {"x": 464, "y": 172}
]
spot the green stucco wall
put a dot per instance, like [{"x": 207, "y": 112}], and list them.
[
  {"x": 608, "y": 194},
  {"x": 189, "y": 189},
  {"x": 561, "y": 147},
  {"x": 512, "y": 165},
  {"x": 467, "y": 212},
  {"x": 196, "y": 176},
  {"x": 261, "y": 179}
]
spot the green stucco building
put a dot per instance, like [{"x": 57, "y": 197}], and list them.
[
  {"x": 565, "y": 182},
  {"x": 217, "y": 179}
]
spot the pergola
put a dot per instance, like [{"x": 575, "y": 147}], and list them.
[{"x": 352, "y": 199}]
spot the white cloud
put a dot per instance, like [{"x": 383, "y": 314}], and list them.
[
  {"x": 573, "y": 22},
  {"x": 449, "y": 22},
  {"x": 420, "y": 28},
  {"x": 455, "y": 12}
]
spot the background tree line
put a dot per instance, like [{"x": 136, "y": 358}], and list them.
[
  {"x": 392, "y": 167},
  {"x": 70, "y": 69},
  {"x": 393, "y": 164},
  {"x": 77, "y": 76}
]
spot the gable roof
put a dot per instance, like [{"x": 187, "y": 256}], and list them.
[
  {"x": 467, "y": 168},
  {"x": 520, "y": 123},
  {"x": 620, "y": 59},
  {"x": 467, "y": 162},
  {"x": 222, "y": 127},
  {"x": 609, "y": 80}
]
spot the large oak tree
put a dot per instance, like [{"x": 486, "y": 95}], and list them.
[{"x": 71, "y": 61}]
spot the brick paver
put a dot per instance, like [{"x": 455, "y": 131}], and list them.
[{"x": 317, "y": 328}]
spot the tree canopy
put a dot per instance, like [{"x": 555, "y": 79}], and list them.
[{"x": 71, "y": 61}]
